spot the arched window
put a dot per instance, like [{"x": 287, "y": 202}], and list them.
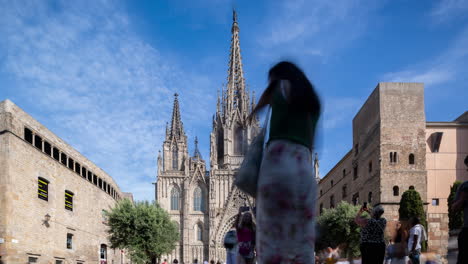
[
  {"x": 175, "y": 156},
  {"x": 103, "y": 252},
  {"x": 197, "y": 200},
  {"x": 238, "y": 140},
  {"x": 411, "y": 158},
  {"x": 321, "y": 208},
  {"x": 344, "y": 191},
  {"x": 321, "y": 192},
  {"x": 331, "y": 183},
  {"x": 395, "y": 157},
  {"x": 332, "y": 201},
  {"x": 199, "y": 233},
  {"x": 369, "y": 198},
  {"x": 396, "y": 191},
  {"x": 344, "y": 173},
  {"x": 175, "y": 199}
]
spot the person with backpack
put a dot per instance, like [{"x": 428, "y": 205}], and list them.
[
  {"x": 230, "y": 244},
  {"x": 417, "y": 234}
]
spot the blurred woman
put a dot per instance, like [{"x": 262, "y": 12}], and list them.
[
  {"x": 286, "y": 187},
  {"x": 398, "y": 251},
  {"x": 245, "y": 238},
  {"x": 372, "y": 235}
]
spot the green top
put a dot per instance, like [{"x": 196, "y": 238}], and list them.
[{"x": 286, "y": 123}]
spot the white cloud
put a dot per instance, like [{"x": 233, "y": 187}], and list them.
[
  {"x": 443, "y": 68},
  {"x": 317, "y": 27},
  {"x": 98, "y": 85},
  {"x": 338, "y": 110},
  {"x": 446, "y": 10}
]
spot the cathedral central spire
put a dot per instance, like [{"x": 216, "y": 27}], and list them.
[
  {"x": 176, "y": 129},
  {"x": 234, "y": 95}
]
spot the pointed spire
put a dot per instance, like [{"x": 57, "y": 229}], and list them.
[
  {"x": 236, "y": 97},
  {"x": 176, "y": 129},
  {"x": 316, "y": 167},
  {"x": 196, "y": 153}
]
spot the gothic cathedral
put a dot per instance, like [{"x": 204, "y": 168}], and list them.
[{"x": 204, "y": 202}]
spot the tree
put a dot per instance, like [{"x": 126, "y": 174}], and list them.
[
  {"x": 455, "y": 218},
  {"x": 143, "y": 228},
  {"x": 411, "y": 205},
  {"x": 336, "y": 226}
]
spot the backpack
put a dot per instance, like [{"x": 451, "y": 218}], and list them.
[{"x": 230, "y": 239}]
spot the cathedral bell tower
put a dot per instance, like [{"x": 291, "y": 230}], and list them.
[
  {"x": 232, "y": 132},
  {"x": 175, "y": 150}
]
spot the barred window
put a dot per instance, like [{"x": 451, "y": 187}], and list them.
[{"x": 69, "y": 200}]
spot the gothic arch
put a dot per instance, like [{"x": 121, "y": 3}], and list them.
[{"x": 224, "y": 228}]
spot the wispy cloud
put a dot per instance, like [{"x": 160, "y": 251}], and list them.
[
  {"x": 443, "y": 68},
  {"x": 446, "y": 10},
  {"x": 97, "y": 84},
  {"x": 317, "y": 27},
  {"x": 338, "y": 110}
]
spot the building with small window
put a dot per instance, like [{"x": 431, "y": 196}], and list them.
[
  {"x": 396, "y": 149},
  {"x": 51, "y": 197}
]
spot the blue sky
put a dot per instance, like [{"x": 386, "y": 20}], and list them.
[{"x": 102, "y": 74}]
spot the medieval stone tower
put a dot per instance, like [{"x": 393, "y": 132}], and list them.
[{"x": 204, "y": 203}]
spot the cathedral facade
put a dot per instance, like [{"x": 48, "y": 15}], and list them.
[{"x": 204, "y": 201}]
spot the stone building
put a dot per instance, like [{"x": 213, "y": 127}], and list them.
[
  {"x": 394, "y": 149},
  {"x": 204, "y": 202},
  {"x": 52, "y": 198}
]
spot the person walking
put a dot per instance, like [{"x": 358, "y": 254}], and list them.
[
  {"x": 245, "y": 238},
  {"x": 461, "y": 204},
  {"x": 230, "y": 243},
  {"x": 417, "y": 234},
  {"x": 372, "y": 235},
  {"x": 398, "y": 251},
  {"x": 286, "y": 188}
]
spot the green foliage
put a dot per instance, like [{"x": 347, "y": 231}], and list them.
[
  {"x": 455, "y": 218},
  {"x": 336, "y": 226},
  {"x": 411, "y": 205},
  {"x": 143, "y": 228}
]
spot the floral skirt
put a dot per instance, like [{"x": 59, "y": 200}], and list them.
[{"x": 286, "y": 205}]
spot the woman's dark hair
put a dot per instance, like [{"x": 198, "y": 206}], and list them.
[
  {"x": 415, "y": 221},
  {"x": 302, "y": 96}
]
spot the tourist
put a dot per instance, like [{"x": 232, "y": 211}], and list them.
[
  {"x": 195, "y": 261},
  {"x": 417, "y": 234},
  {"x": 245, "y": 238},
  {"x": 286, "y": 191},
  {"x": 175, "y": 261},
  {"x": 205, "y": 262},
  {"x": 372, "y": 235},
  {"x": 398, "y": 251},
  {"x": 230, "y": 243},
  {"x": 461, "y": 204},
  {"x": 165, "y": 261}
]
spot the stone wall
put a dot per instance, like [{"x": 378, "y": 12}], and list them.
[{"x": 23, "y": 225}]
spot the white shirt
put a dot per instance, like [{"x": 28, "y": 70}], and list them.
[{"x": 415, "y": 230}]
